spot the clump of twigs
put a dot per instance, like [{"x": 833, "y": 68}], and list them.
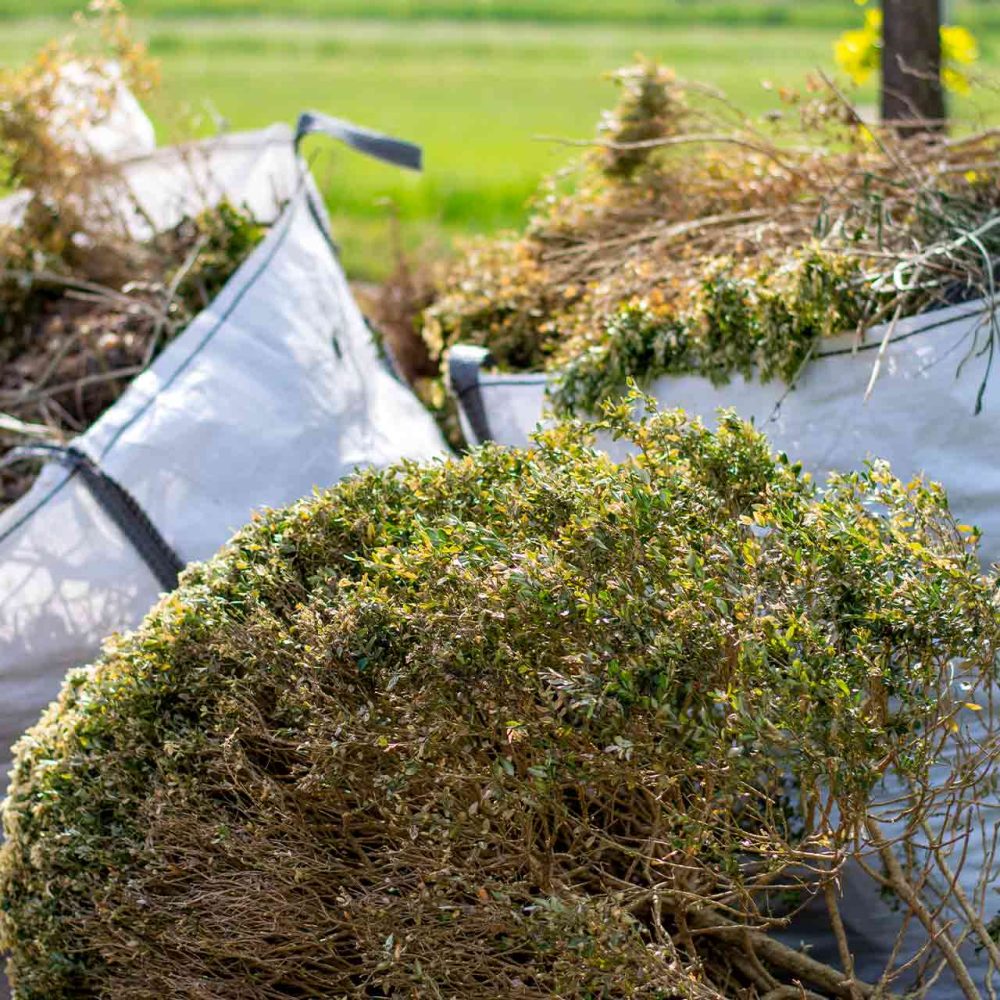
[
  {"x": 394, "y": 309},
  {"x": 702, "y": 239},
  {"x": 76, "y": 343},
  {"x": 85, "y": 303},
  {"x": 394, "y": 306},
  {"x": 531, "y": 723}
]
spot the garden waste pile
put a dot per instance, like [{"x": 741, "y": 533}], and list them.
[
  {"x": 696, "y": 238},
  {"x": 640, "y": 709},
  {"x": 90, "y": 290},
  {"x": 174, "y": 362},
  {"x": 529, "y": 723}
]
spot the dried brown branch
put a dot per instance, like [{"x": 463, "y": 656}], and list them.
[{"x": 897, "y": 881}]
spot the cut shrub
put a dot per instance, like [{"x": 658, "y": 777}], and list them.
[{"x": 528, "y": 723}]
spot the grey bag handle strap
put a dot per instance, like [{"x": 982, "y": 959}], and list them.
[
  {"x": 117, "y": 503},
  {"x": 382, "y": 147},
  {"x": 465, "y": 362}
]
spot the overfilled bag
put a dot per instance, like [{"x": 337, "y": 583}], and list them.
[
  {"x": 921, "y": 415},
  {"x": 277, "y": 387}
]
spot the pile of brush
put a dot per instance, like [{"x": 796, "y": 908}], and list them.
[
  {"x": 530, "y": 724},
  {"x": 699, "y": 238},
  {"x": 85, "y": 303}
]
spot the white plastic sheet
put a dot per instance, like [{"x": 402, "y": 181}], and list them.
[{"x": 276, "y": 388}]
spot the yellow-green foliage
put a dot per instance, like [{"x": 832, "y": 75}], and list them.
[{"x": 497, "y": 726}]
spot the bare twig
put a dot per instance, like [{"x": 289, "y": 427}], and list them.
[
  {"x": 12, "y": 425},
  {"x": 898, "y": 882}
]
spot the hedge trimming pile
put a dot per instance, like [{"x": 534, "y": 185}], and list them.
[
  {"x": 509, "y": 725},
  {"x": 696, "y": 238},
  {"x": 71, "y": 346},
  {"x": 84, "y": 304}
]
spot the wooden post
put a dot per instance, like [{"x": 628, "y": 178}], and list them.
[{"x": 911, "y": 65}]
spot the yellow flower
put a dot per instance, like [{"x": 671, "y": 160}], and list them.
[
  {"x": 858, "y": 52},
  {"x": 958, "y": 48},
  {"x": 955, "y": 80},
  {"x": 958, "y": 45}
]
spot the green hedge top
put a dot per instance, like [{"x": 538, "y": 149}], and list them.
[{"x": 504, "y": 725}]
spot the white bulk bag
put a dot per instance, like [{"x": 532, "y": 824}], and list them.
[
  {"x": 873, "y": 924},
  {"x": 276, "y": 388},
  {"x": 113, "y": 126},
  {"x": 149, "y": 189},
  {"x": 150, "y": 193}
]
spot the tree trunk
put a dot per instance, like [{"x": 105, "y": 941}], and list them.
[{"x": 912, "y": 95}]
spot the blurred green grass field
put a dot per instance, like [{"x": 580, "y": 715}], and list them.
[
  {"x": 476, "y": 92},
  {"x": 771, "y": 12}
]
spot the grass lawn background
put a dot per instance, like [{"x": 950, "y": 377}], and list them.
[{"x": 476, "y": 89}]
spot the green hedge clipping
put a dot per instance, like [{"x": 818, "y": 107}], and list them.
[{"x": 509, "y": 725}]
